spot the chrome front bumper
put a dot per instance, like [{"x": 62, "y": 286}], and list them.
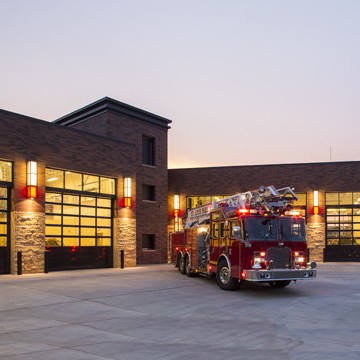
[{"x": 278, "y": 274}]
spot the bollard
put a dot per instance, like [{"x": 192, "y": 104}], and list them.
[
  {"x": 46, "y": 262},
  {"x": 19, "y": 263},
  {"x": 122, "y": 260}
]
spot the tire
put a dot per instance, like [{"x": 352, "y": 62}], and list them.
[
  {"x": 188, "y": 270},
  {"x": 223, "y": 277},
  {"x": 182, "y": 265},
  {"x": 177, "y": 263},
  {"x": 279, "y": 284}
]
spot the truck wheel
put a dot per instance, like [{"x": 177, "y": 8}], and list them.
[
  {"x": 182, "y": 265},
  {"x": 188, "y": 270},
  {"x": 223, "y": 277},
  {"x": 177, "y": 264},
  {"x": 279, "y": 284}
]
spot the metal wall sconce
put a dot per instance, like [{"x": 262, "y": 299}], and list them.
[
  {"x": 31, "y": 179},
  {"x": 127, "y": 192},
  {"x": 316, "y": 202}
]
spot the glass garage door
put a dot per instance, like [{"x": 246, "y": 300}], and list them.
[
  {"x": 4, "y": 231},
  {"x": 78, "y": 231},
  {"x": 342, "y": 227}
]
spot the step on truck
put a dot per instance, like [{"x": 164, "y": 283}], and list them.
[{"x": 254, "y": 236}]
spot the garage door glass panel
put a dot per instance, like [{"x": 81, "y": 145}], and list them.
[
  {"x": 3, "y": 240},
  {"x": 69, "y": 241}
]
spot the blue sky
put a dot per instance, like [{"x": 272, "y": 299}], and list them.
[{"x": 245, "y": 82}]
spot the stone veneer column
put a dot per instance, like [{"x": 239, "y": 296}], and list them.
[
  {"x": 125, "y": 240},
  {"x": 315, "y": 233},
  {"x": 28, "y": 230}
]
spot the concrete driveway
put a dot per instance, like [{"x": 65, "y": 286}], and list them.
[{"x": 154, "y": 312}]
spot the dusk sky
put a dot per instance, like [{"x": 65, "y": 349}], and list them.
[{"x": 244, "y": 82}]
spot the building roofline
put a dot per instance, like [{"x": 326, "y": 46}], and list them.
[
  {"x": 108, "y": 104},
  {"x": 52, "y": 124},
  {"x": 323, "y": 163}
]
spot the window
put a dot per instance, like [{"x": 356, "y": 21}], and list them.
[
  {"x": 215, "y": 230},
  {"x": 148, "y": 147},
  {"x": 260, "y": 229},
  {"x": 69, "y": 180},
  {"x": 300, "y": 203},
  {"x": 148, "y": 241},
  {"x": 148, "y": 192},
  {"x": 5, "y": 171},
  {"x": 193, "y": 201}
]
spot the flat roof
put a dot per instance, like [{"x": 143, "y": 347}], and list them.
[{"x": 108, "y": 104}]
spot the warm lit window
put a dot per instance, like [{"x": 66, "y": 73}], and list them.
[
  {"x": 5, "y": 171},
  {"x": 69, "y": 180},
  {"x": 193, "y": 201}
]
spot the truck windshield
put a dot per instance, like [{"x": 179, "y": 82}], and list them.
[
  {"x": 260, "y": 229},
  {"x": 292, "y": 229}
]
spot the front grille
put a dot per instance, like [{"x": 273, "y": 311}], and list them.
[{"x": 280, "y": 257}]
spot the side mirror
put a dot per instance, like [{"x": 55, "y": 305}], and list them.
[{"x": 237, "y": 231}]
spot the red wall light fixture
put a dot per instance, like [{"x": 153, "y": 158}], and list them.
[
  {"x": 127, "y": 192},
  {"x": 176, "y": 205},
  {"x": 31, "y": 179},
  {"x": 316, "y": 202}
]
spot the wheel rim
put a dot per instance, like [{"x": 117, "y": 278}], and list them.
[
  {"x": 224, "y": 275},
  {"x": 187, "y": 265}
]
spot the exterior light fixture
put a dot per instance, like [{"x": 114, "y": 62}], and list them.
[
  {"x": 127, "y": 192},
  {"x": 31, "y": 179},
  {"x": 316, "y": 202},
  {"x": 176, "y": 204},
  {"x": 177, "y": 212}
]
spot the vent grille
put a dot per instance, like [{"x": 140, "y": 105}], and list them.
[{"x": 280, "y": 257}]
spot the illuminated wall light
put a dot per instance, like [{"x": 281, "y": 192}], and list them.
[
  {"x": 31, "y": 179},
  {"x": 127, "y": 192},
  {"x": 176, "y": 203},
  {"x": 316, "y": 202},
  {"x": 176, "y": 212}
]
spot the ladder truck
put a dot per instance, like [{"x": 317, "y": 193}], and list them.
[{"x": 254, "y": 236}]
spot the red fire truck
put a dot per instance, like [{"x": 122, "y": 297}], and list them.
[{"x": 252, "y": 236}]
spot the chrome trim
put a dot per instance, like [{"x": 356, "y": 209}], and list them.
[
  {"x": 279, "y": 275},
  {"x": 227, "y": 260}
]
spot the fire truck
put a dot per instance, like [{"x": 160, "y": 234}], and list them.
[{"x": 254, "y": 236}]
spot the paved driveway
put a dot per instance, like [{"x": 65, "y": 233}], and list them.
[{"x": 154, "y": 312}]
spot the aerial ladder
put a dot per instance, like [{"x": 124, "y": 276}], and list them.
[{"x": 266, "y": 199}]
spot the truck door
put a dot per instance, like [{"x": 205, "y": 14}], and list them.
[{"x": 234, "y": 244}]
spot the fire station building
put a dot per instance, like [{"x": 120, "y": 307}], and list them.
[{"x": 92, "y": 190}]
